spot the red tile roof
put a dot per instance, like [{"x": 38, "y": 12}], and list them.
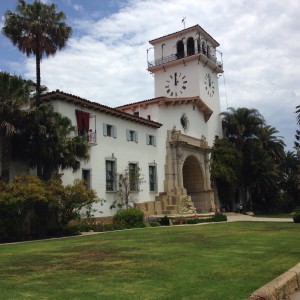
[{"x": 61, "y": 96}]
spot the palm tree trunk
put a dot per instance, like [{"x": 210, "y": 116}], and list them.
[
  {"x": 38, "y": 94},
  {"x": 5, "y": 158},
  {"x": 38, "y": 73}
]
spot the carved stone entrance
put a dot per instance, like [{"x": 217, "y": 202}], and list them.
[{"x": 187, "y": 186}]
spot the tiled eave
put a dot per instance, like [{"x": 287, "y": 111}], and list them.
[
  {"x": 197, "y": 27},
  {"x": 69, "y": 98},
  {"x": 165, "y": 101}
]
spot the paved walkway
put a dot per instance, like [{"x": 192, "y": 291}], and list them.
[{"x": 232, "y": 217}]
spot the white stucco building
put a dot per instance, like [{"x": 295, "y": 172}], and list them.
[{"x": 167, "y": 137}]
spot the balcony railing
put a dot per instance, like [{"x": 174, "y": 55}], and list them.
[
  {"x": 173, "y": 57},
  {"x": 91, "y": 137}
]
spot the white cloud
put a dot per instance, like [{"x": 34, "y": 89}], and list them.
[{"x": 106, "y": 59}]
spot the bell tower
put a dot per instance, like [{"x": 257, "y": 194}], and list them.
[{"x": 187, "y": 64}]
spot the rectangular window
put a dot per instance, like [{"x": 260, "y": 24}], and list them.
[
  {"x": 151, "y": 139},
  {"x": 131, "y": 135},
  {"x": 111, "y": 183},
  {"x": 136, "y": 114},
  {"x": 134, "y": 176},
  {"x": 86, "y": 176},
  {"x": 109, "y": 130},
  {"x": 152, "y": 178}
]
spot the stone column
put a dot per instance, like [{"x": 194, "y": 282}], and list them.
[{"x": 179, "y": 156}]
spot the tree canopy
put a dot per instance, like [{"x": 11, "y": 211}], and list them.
[{"x": 37, "y": 29}]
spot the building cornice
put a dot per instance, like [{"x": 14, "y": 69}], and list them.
[{"x": 165, "y": 101}]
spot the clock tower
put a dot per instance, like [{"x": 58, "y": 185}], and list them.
[{"x": 186, "y": 65}]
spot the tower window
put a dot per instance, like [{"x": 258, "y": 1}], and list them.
[
  {"x": 180, "y": 49},
  {"x": 190, "y": 46},
  {"x": 203, "y": 48}
]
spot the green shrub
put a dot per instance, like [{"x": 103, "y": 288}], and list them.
[
  {"x": 164, "y": 221},
  {"x": 128, "y": 218},
  {"x": 296, "y": 217},
  {"x": 219, "y": 218},
  {"x": 216, "y": 218},
  {"x": 154, "y": 224},
  {"x": 297, "y": 210}
]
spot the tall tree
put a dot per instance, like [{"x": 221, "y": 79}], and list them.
[
  {"x": 270, "y": 142},
  {"x": 226, "y": 170},
  {"x": 14, "y": 95},
  {"x": 290, "y": 179},
  {"x": 241, "y": 124},
  {"x": 261, "y": 151},
  {"x": 37, "y": 29},
  {"x": 49, "y": 141}
]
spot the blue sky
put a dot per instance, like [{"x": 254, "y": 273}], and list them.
[{"x": 105, "y": 60}]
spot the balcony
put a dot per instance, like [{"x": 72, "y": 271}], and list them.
[
  {"x": 91, "y": 137},
  {"x": 173, "y": 57}
]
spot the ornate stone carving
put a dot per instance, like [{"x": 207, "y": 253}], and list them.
[
  {"x": 187, "y": 206},
  {"x": 179, "y": 154}
]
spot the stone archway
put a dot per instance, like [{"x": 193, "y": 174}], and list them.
[{"x": 193, "y": 180}]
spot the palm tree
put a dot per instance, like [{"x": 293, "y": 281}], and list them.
[
  {"x": 261, "y": 176},
  {"x": 290, "y": 182},
  {"x": 37, "y": 29},
  {"x": 14, "y": 95},
  {"x": 226, "y": 170},
  {"x": 271, "y": 143},
  {"x": 241, "y": 124}
]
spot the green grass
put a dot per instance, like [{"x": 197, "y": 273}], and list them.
[{"x": 217, "y": 261}]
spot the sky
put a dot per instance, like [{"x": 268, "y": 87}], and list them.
[{"x": 105, "y": 60}]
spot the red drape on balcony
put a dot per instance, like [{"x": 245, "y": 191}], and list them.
[{"x": 83, "y": 122}]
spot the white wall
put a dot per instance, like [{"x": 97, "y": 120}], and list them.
[{"x": 124, "y": 151}]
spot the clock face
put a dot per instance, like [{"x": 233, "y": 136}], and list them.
[
  {"x": 209, "y": 85},
  {"x": 175, "y": 84}
]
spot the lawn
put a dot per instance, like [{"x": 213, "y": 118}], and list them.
[{"x": 216, "y": 261}]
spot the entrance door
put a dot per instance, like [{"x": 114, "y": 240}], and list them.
[{"x": 193, "y": 179}]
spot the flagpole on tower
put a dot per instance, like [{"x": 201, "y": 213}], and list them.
[{"x": 183, "y": 21}]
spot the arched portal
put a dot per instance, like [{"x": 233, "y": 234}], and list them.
[{"x": 193, "y": 180}]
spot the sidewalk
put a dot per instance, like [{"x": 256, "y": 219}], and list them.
[{"x": 234, "y": 217}]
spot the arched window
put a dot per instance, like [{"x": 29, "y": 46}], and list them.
[
  {"x": 190, "y": 46},
  {"x": 203, "y": 48},
  {"x": 180, "y": 49}
]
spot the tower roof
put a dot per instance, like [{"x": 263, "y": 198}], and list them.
[{"x": 184, "y": 31}]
